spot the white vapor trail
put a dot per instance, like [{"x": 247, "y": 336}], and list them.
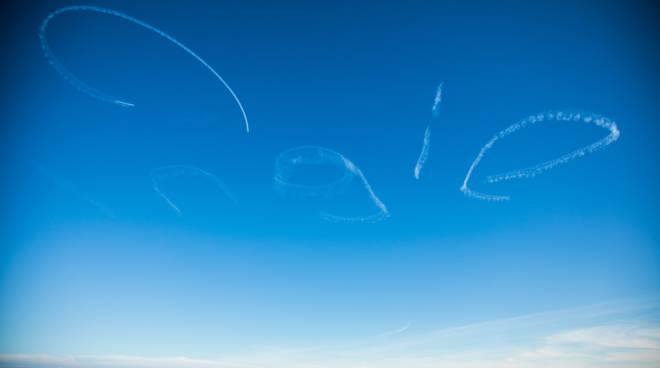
[
  {"x": 289, "y": 160},
  {"x": 532, "y": 171},
  {"x": 173, "y": 171},
  {"x": 382, "y": 213},
  {"x": 80, "y": 85},
  {"x": 435, "y": 109},
  {"x": 72, "y": 189},
  {"x": 424, "y": 154},
  {"x": 426, "y": 144}
]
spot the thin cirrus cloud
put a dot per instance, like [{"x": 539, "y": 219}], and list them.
[
  {"x": 623, "y": 335},
  {"x": 399, "y": 330}
]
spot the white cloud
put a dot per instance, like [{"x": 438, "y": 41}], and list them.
[{"x": 613, "y": 335}]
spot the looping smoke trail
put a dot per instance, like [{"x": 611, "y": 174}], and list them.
[
  {"x": 169, "y": 172},
  {"x": 83, "y": 87},
  {"x": 426, "y": 144},
  {"x": 532, "y": 171},
  {"x": 291, "y": 160}
]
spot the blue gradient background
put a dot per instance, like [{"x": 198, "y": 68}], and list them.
[{"x": 356, "y": 77}]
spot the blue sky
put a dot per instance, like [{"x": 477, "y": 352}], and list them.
[{"x": 98, "y": 269}]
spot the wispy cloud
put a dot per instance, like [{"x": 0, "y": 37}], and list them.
[
  {"x": 399, "y": 330},
  {"x": 621, "y": 335}
]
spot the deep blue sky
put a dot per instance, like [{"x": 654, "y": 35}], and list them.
[{"x": 358, "y": 78}]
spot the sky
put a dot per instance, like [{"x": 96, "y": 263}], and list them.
[{"x": 165, "y": 234}]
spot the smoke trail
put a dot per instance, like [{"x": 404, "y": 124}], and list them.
[
  {"x": 69, "y": 187},
  {"x": 426, "y": 144},
  {"x": 532, "y": 171},
  {"x": 424, "y": 154},
  {"x": 169, "y": 172},
  {"x": 83, "y": 87},
  {"x": 291, "y": 160},
  {"x": 435, "y": 109}
]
